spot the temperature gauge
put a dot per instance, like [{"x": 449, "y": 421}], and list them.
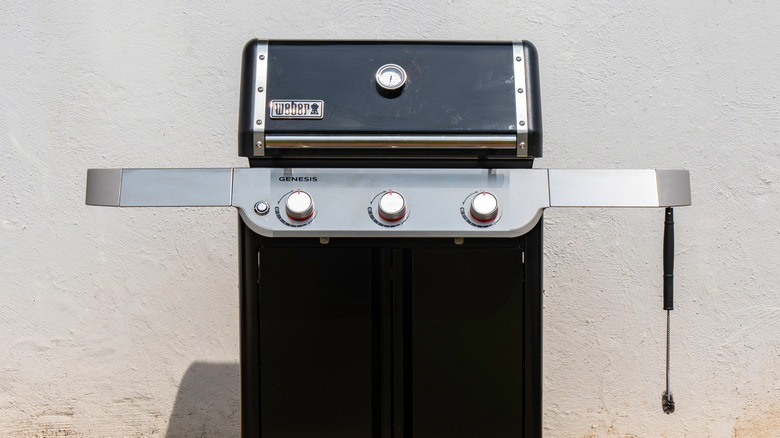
[{"x": 390, "y": 79}]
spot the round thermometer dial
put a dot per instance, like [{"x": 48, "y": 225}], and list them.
[{"x": 391, "y": 77}]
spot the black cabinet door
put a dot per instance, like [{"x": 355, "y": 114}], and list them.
[
  {"x": 467, "y": 342},
  {"x": 391, "y": 339},
  {"x": 315, "y": 342}
]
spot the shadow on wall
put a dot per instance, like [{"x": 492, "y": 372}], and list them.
[{"x": 207, "y": 404}]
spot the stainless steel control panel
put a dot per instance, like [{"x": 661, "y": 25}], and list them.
[
  {"x": 279, "y": 202},
  {"x": 389, "y": 202}
]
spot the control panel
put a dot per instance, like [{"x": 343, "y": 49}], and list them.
[{"x": 390, "y": 202}]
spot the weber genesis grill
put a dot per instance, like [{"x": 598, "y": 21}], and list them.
[{"x": 390, "y": 234}]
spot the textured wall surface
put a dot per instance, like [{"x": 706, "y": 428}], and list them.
[{"x": 123, "y": 322}]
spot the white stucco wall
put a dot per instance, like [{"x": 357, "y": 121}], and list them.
[{"x": 106, "y": 313}]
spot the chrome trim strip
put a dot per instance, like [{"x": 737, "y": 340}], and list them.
[
  {"x": 258, "y": 115},
  {"x": 521, "y": 101},
  {"x": 392, "y": 141},
  {"x": 232, "y": 171}
]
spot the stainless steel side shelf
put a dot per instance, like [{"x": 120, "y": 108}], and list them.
[
  {"x": 437, "y": 198},
  {"x": 160, "y": 187}
]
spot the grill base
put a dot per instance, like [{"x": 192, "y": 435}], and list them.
[{"x": 391, "y": 337}]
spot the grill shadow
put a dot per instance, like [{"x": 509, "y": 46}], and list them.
[{"x": 207, "y": 404}]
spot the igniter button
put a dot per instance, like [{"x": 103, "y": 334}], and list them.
[{"x": 262, "y": 208}]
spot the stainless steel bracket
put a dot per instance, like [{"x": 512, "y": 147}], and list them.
[
  {"x": 258, "y": 114},
  {"x": 521, "y": 101}
]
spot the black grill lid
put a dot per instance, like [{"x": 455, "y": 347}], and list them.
[{"x": 320, "y": 103}]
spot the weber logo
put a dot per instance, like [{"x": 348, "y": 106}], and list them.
[
  {"x": 298, "y": 178},
  {"x": 297, "y": 109}
]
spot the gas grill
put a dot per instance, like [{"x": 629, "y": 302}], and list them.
[{"x": 390, "y": 234}]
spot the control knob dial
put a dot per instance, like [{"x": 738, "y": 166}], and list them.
[
  {"x": 392, "y": 206},
  {"x": 484, "y": 207},
  {"x": 299, "y": 205}
]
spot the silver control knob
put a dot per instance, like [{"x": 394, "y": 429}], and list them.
[
  {"x": 484, "y": 207},
  {"x": 392, "y": 206},
  {"x": 299, "y": 206}
]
